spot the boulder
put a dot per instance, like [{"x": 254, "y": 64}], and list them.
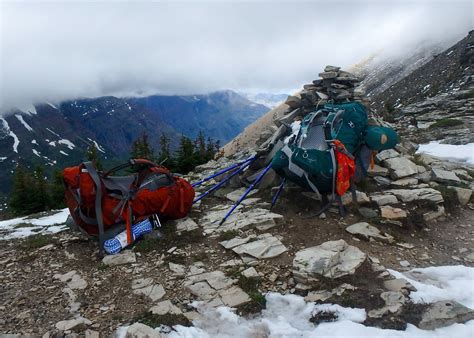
[
  {"x": 293, "y": 102},
  {"x": 250, "y": 273},
  {"x": 445, "y": 313},
  {"x": 405, "y": 182},
  {"x": 367, "y": 231},
  {"x": 330, "y": 68},
  {"x": 328, "y": 75},
  {"x": 331, "y": 259}
]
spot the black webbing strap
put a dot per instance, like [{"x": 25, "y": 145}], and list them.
[{"x": 98, "y": 203}]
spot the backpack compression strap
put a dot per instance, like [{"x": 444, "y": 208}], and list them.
[{"x": 98, "y": 203}]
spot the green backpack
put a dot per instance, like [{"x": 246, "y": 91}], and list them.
[{"x": 308, "y": 157}]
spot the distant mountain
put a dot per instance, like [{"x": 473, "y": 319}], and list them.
[
  {"x": 221, "y": 115},
  {"x": 58, "y": 135},
  {"x": 267, "y": 99}
]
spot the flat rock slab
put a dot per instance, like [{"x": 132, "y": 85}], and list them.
[
  {"x": 410, "y": 195},
  {"x": 261, "y": 218},
  {"x": 185, "y": 224},
  {"x": 216, "y": 289},
  {"x": 73, "y": 324},
  {"x": 139, "y": 330},
  {"x": 165, "y": 307},
  {"x": 73, "y": 280},
  {"x": 400, "y": 167},
  {"x": 125, "y": 257},
  {"x": 331, "y": 259},
  {"x": 384, "y": 199},
  {"x": 236, "y": 194},
  {"x": 389, "y": 212},
  {"x": 445, "y": 313},
  {"x": 367, "y": 231},
  {"x": 266, "y": 246},
  {"x": 444, "y": 176},
  {"x": 145, "y": 286}
]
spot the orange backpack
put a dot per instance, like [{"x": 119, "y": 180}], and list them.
[{"x": 103, "y": 205}]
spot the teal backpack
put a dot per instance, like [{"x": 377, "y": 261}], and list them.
[{"x": 308, "y": 156}]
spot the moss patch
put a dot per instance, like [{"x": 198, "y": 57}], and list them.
[
  {"x": 35, "y": 242},
  {"x": 154, "y": 320},
  {"x": 445, "y": 123}
]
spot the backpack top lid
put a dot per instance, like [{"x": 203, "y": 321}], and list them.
[
  {"x": 381, "y": 138},
  {"x": 349, "y": 124}
]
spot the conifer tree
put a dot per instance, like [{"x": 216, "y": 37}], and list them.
[
  {"x": 93, "y": 156},
  {"x": 141, "y": 148},
  {"x": 185, "y": 155},
  {"x": 164, "y": 156},
  {"x": 20, "y": 194},
  {"x": 56, "y": 190}
]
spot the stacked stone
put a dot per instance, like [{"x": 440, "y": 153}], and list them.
[{"x": 335, "y": 85}]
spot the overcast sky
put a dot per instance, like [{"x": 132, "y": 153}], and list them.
[{"x": 51, "y": 51}]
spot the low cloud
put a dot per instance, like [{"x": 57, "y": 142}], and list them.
[{"x": 55, "y": 51}]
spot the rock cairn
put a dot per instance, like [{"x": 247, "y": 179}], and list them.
[{"x": 335, "y": 85}]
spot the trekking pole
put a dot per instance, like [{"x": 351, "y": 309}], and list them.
[
  {"x": 225, "y": 180},
  {"x": 223, "y": 171},
  {"x": 257, "y": 181},
  {"x": 278, "y": 192}
]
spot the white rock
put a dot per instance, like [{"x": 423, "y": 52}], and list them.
[
  {"x": 368, "y": 231},
  {"x": 386, "y": 154},
  {"x": 236, "y": 194},
  {"x": 409, "y": 195},
  {"x": 444, "y": 176},
  {"x": 234, "y": 296},
  {"x": 331, "y": 259},
  {"x": 464, "y": 195},
  {"x": 72, "y": 324},
  {"x": 250, "y": 273},
  {"x": 165, "y": 307},
  {"x": 383, "y": 199},
  {"x": 266, "y": 246},
  {"x": 445, "y": 313},
  {"x": 139, "y": 330},
  {"x": 125, "y": 257},
  {"x": 154, "y": 292},
  {"x": 405, "y": 264},
  {"x": 400, "y": 167},
  {"x": 177, "y": 269},
  {"x": 389, "y": 212},
  {"x": 185, "y": 224}
]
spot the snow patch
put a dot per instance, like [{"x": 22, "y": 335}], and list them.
[
  {"x": 34, "y": 142},
  {"x": 64, "y": 153},
  {"x": 289, "y": 315},
  {"x": 36, "y": 152},
  {"x": 68, "y": 143},
  {"x": 23, "y": 122},
  {"x": 16, "y": 141},
  {"x": 463, "y": 152},
  {"x": 52, "y": 132},
  {"x": 33, "y": 226},
  {"x": 441, "y": 283},
  {"x": 51, "y": 105},
  {"x": 52, "y": 143},
  {"x": 97, "y": 146},
  {"x": 2, "y": 159},
  {"x": 28, "y": 109}
]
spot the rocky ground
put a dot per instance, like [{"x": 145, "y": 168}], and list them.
[{"x": 412, "y": 211}]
